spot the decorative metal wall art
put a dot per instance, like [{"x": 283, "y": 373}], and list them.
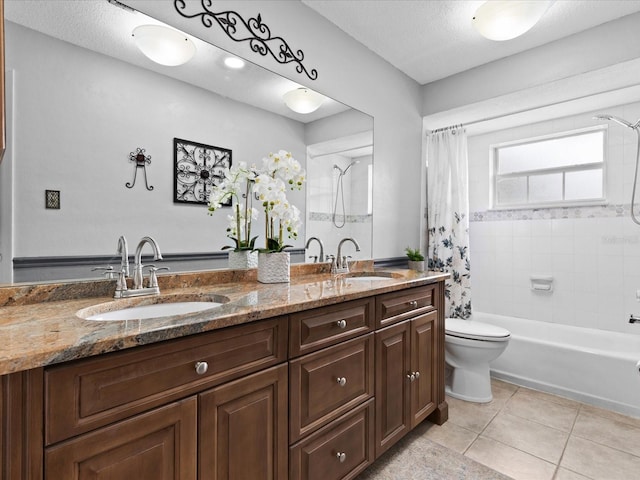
[
  {"x": 253, "y": 31},
  {"x": 141, "y": 161},
  {"x": 198, "y": 167}
]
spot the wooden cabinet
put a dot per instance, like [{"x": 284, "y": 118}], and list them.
[
  {"x": 406, "y": 369},
  {"x": 21, "y": 424},
  {"x": 90, "y": 393},
  {"x": 318, "y": 394},
  {"x": 331, "y": 406},
  {"x": 243, "y": 428},
  {"x": 206, "y": 406},
  {"x": 158, "y": 445}
]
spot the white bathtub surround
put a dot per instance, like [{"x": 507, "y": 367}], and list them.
[
  {"x": 448, "y": 216},
  {"x": 592, "y": 252},
  {"x": 593, "y": 366}
]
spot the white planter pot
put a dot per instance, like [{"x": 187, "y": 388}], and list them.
[
  {"x": 418, "y": 266},
  {"x": 274, "y": 267},
  {"x": 243, "y": 259}
]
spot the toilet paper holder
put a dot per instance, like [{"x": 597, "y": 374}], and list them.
[{"x": 542, "y": 283}]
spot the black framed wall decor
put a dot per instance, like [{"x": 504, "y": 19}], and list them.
[{"x": 198, "y": 167}]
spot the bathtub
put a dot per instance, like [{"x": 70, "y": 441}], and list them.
[{"x": 592, "y": 366}]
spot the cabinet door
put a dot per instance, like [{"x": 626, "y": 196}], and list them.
[
  {"x": 423, "y": 367},
  {"x": 158, "y": 445},
  {"x": 243, "y": 428},
  {"x": 393, "y": 417}
]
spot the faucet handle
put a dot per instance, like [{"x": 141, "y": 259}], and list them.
[
  {"x": 315, "y": 258},
  {"x": 107, "y": 271},
  {"x": 153, "y": 278}
]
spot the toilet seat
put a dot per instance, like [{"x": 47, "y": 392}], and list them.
[{"x": 469, "y": 329}]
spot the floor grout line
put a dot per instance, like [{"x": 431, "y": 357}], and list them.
[{"x": 564, "y": 448}]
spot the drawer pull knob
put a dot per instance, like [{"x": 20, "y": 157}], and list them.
[
  {"x": 341, "y": 323},
  {"x": 417, "y": 375},
  {"x": 201, "y": 368},
  {"x": 413, "y": 304},
  {"x": 341, "y": 456},
  {"x": 411, "y": 376},
  {"x": 342, "y": 381}
]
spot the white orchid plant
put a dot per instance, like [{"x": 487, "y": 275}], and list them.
[
  {"x": 238, "y": 186},
  {"x": 279, "y": 172}
]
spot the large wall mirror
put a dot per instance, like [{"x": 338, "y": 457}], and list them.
[{"x": 81, "y": 97}]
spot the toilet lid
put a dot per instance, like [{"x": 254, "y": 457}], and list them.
[{"x": 474, "y": 330}]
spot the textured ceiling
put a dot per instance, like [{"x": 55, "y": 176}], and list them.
[{"x": 433, "y": 39}]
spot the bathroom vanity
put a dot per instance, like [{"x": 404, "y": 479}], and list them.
[{"x": 313, "y": 379}]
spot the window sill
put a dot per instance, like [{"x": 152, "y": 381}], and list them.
[{"x": 548, "y": 206}]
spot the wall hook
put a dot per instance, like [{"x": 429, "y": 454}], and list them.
[{"x": 141, "y": 161}]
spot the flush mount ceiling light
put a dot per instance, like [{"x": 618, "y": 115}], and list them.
[
  {"x": 303, "y": 100},
  {"x": 234, "y": 62},
  {"x": 164, "y": 45},
  {"x": 506, "y": 19}
]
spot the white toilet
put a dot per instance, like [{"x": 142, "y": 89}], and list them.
[{"x": 469, "y": 347}]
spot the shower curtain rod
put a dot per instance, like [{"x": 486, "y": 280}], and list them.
[{"x": 525, "y": 110}]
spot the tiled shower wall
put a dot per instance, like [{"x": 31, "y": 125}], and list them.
[{"x": 592, "y": 253}]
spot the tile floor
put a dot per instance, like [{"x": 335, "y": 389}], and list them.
[{"x": 527, "y": 434}]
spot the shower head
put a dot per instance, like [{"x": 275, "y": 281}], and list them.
[
  {"x": 351, "y": 165},
  {"x": 343, "y": 171},
  {"x": 618, "y": 120}
]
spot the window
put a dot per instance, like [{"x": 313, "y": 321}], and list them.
[{"x": 550, "y": 171}]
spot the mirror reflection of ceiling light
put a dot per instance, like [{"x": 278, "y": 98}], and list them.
[
  {"x": 234, "y": 62},
  {"x": 164, "y": 45},
  {"x": 506, "y": 19},
  {"x": 303, "y": 100}
]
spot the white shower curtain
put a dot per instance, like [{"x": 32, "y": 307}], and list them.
[{"x": 448, "y": 216}]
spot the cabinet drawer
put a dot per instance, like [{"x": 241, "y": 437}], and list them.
[
  {"x": 340, "y": 450},
  {"x": 90, "y": 393},
  {"x": 328, "y": 383},
  {"x": 322, "y": 327},
  {"x": 159, "y": 445},
  {"x": 397, "y": 306}
]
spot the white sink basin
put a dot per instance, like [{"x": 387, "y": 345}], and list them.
[
  {"x": 368, "y": 278},
  {"x": 155, "y": 311},
  {"x": 152, "y": 307}
]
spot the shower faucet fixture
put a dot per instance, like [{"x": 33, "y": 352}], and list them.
[{"x": 636, "y": 128}]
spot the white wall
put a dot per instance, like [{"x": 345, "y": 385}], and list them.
[
  {"x": 593, "y": 253},
  {"x": 79, "y": 115},
  {"x": 352, "y": 74}
]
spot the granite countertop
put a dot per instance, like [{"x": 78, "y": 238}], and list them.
[{"x": 39, "y": 324}]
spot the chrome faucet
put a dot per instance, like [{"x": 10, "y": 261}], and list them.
[
  {"x": 319, "y": 258},
  {"x": 137, "y": 268},
  {"x": 121, "y": 283},
  {"x": 123, "y": 251},
  {"x": 138, "y": 288},
  {"x": 341, "y": 264}
]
